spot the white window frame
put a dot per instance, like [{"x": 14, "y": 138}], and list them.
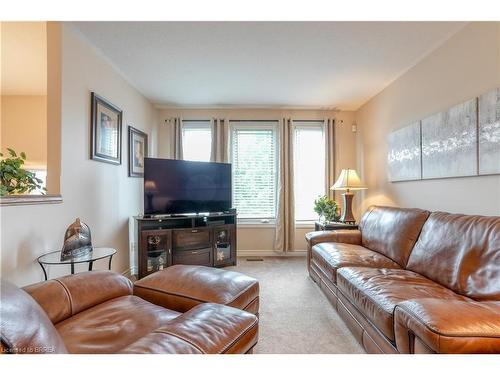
[
  {"x": 194, "y": 125},
  {"x": 253, "y": 125},
  {"x": 307, "y": 124}
]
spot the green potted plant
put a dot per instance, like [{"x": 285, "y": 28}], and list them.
[
  {"x": 14, "y": 178},
  {"x": 327, "y": 209}
]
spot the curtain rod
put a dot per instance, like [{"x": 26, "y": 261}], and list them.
[{"x": 253, "y": 120}]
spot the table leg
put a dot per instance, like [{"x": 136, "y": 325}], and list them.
[
  {"x": 72, "y": 268},
  {"x": 109, "y": 265},
  {"x": 91, "y": 263},
  {"x": 44, "y": 271}
]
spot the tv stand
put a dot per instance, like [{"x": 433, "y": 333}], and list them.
[{"x": 202, "y": 239}]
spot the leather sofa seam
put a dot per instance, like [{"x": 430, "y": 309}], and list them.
[
  {"x": 249, "y": 303},
  {"x": 169, "y": 293},
  {"x": 236, "y": 339},
  {"x": 70, "y": 298},
  {"x": 160, "y": 330},
  {"x": 240, "y": 293},
  {"x": 435, "y": 330}
]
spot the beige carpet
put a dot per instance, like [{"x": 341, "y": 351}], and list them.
[{"x": 295, "y": 316}]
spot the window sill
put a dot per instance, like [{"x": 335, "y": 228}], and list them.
[
  {"x": 257, "y": 223},
  {"x": 304, "y": 224},
  {"x": 22, "y": 200}
]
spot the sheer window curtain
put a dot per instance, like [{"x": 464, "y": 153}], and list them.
[
  {"x": 285, "y": 215},
  {"x": 220, "y": 140},
  {"x": 329, "y": 136},
  {"x": 176, "y": 138}
]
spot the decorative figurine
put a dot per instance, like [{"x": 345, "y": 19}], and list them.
[{"x": 77, "y": 241}]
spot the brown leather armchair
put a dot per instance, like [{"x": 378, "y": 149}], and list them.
[
  {"x": 96, "y": 312},
  {"x": 411, "y": 281}
]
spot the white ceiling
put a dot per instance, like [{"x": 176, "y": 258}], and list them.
[
  {"x": 262, "y": 64},
  {"x": 24, "y": 58}
]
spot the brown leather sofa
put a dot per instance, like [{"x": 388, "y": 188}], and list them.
[
  {"x": 411, "y": 281},
  {"x": 97, "y": 312}
]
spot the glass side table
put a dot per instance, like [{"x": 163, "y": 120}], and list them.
[{"x": 54, "y": 258}]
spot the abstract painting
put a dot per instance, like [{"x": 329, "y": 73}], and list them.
[
  {"x": 404, "y": 155},
  {"x": 449, "y": 142},
  {"x": 489, "y": 132}
]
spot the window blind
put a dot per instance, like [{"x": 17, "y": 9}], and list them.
[{"x": 254, "y": 159}]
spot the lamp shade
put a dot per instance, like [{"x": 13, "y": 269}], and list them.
[
  {"x": 149, "y": 186},
  {"x": 348, "y": 180}
]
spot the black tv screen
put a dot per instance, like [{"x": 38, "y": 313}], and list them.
[{"x": 182, "y": 187}]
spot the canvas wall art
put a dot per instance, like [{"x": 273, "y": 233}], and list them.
[
  {"x": 404, "y": 153},
  {"x": 489, "y": 132},
  {"x": 449, "y": 142}
]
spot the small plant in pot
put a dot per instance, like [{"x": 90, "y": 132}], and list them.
[
  {"x": 327, "y": 209},
  {"x": 14, "y": 178}
]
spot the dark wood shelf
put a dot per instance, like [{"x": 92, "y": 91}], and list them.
[{"x": 208, "y": 240}]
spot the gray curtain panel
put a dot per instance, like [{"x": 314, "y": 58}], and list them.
[
  {"x": 176, "y": 137},
  {"x": 220, "y": 140},
  {"x": 285, "y": 216}
]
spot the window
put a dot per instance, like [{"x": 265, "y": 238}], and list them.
[
  {"x": 196, "y": 140},
  {"x": 255, "y": 167},
  {"x": 309, "y": 167}
]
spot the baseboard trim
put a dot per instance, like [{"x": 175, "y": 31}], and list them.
[
  {"x": 131, "y": 271},
  {"x": 270, "y": 253}
]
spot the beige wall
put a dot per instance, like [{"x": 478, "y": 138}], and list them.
[
  {"x": 256, "y": 238},
  {"x": 467, "y": 65},
  {"x": 100, "y": 194},
  {"x": 24, "y": 127}
]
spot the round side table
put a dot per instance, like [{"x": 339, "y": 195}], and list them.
[{"x": 54, "y": 258}]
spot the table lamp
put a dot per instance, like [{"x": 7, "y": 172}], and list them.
[{"x": 348, "y": 180}]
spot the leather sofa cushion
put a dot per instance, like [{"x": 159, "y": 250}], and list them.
[
  {"x": 376, "y": 292},
  {"x": 448, "y": 326},
  {"x": 392, "y": 231},
  {"x": 461, "y": 252},
  {"x": 329, "y": 257},
  {"x": 112, "y": 325},
  {"x": 182, "y": 287},
  {"x": 24, "y": 326},
  {"x": 207, "y": 328}
]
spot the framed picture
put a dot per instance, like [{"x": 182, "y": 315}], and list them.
[
  {"x": 137, "y": 151},
  {"x": 106, "y": 131}
]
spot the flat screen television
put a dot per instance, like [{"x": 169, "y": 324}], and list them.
[{"x": 185, "y": 187}]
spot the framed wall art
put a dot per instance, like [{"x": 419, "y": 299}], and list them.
[
  {"x": 137, "y": 151},
  {"x": 449, "y": 142},
  {"x": 106, "y": 131},
  {"x": 489, "y": 132},
  {"x": 404, "y": 154}
]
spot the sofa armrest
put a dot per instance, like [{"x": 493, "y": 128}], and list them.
[
  {"x": 66, "y": 296},
  {"x": 339, "y": 235},
  {"x": 438, "y": 326},
  {"x": 208, "y": 328}
]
